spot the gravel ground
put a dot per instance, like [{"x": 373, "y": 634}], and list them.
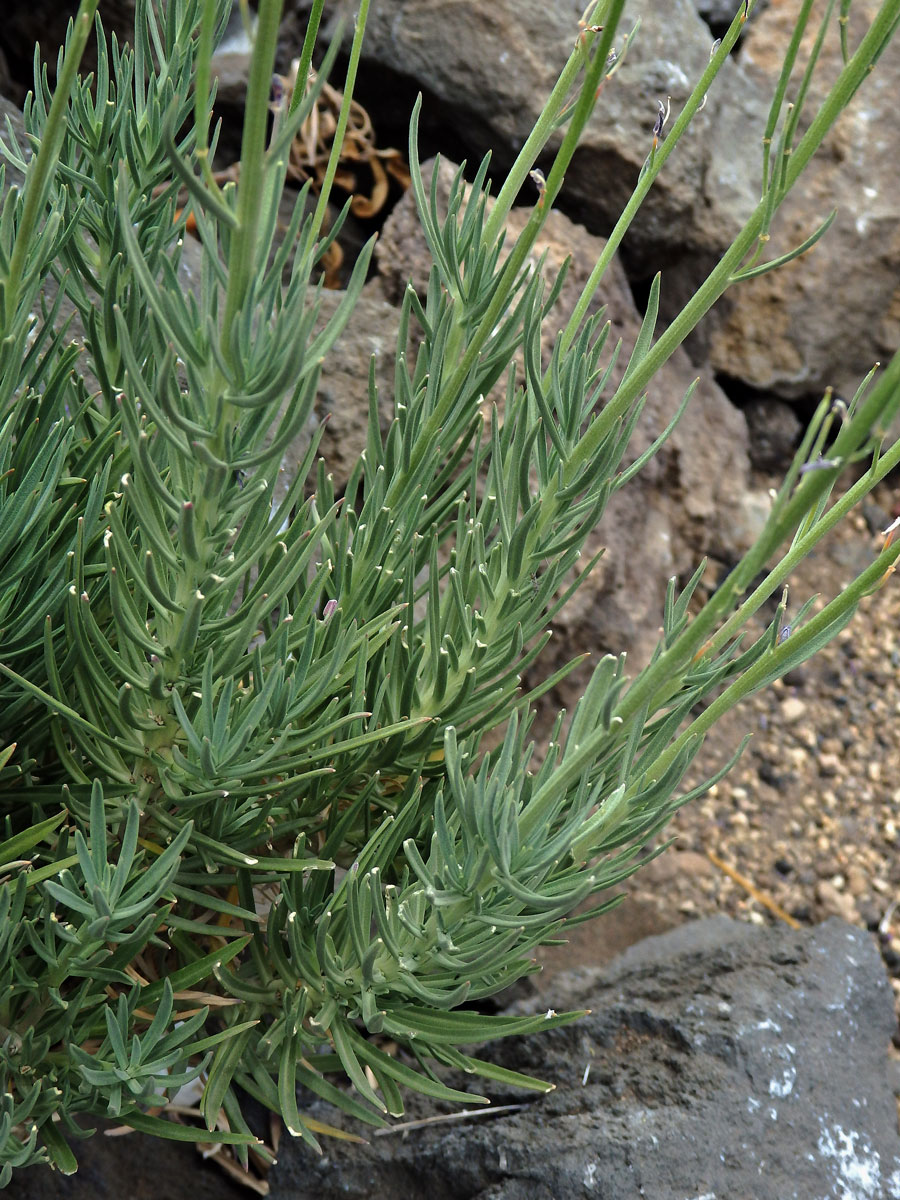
[{"x": 810, "y": 815}]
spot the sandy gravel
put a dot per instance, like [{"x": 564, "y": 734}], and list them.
[{"x": 810, "y": 816}]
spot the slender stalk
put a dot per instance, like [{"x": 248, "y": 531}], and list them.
[
  {"x": 503, "y": 289},
  {"x": 648, "y": 177},
  {"x": 337, "y": 144},
  {"x": 720, "y": 277},
  {"x": 774, "y": 664},
  {"x": 202, "y": 110},
  {"x": 306, "y": 53},
  {"x": 242, "y": 260},
  {"x": 546, "y": 123},
  {"x": 44, "y": 167}
]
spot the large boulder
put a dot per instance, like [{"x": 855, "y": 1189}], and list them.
[
  {"x": 721, "y": 1059},
  {"x": 826, "y": 318},
  {"x": 44, "y": 22},
  {"x": 823, "y": 320},
  {"x": 510, "y": 53}
]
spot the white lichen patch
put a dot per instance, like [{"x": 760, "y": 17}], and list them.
[
  {"x": 857, "y": 1165},
  {"x": 785, "y": 1085}
]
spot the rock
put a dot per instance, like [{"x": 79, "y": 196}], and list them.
[
  {"x": 776, "y": 333},
  {"x": 510, "y": 53},
  {"x": 669, "y": 868},
  {"x": 792, "y": 709},
  {"x": 26, "y": 22},
  {"x": 133, "y": 1166},
  {"x": 720, "y": 13},
  {"x": 721, "y": 1059},
  {"x": 748, "y": 519},
  {"x": 774, "y": 433},
  {"x": 781, "y": 334},
  {"x": 231, "y": 60},
  {"x": 834, "y": 902},
  {"x": 857, "y": 881}
]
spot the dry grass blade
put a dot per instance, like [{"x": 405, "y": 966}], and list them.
[
  {"x": 467, "y": 1114},
  {"x": 751, "y": 888}
]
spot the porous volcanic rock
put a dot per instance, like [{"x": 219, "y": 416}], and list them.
[
  {"x": 718, "y": 1060},
  {"x": 490, "y": 67},
  {"x": 827, "y": 317}
]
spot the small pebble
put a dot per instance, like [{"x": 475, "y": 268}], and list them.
[
  {"x": 857, "y": 881},
  {"x": 837, "y": 904},
  {"x": 792, "y": 709},
  {"x": 829, "y": 764}
]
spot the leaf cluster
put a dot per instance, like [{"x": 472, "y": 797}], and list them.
[{"x": 271, "y": 804}]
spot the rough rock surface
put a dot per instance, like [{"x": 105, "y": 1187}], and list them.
[
  {"x": 719, "y": 1060},
  {"x": 510, "y": 53},
  {"x": 133, "y": 1166},
  {"x": 775, "y": 431},
  {"x": 782, "y": 333}
]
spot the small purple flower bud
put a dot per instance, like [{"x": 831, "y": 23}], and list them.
[{"x": 661, "y": 117}]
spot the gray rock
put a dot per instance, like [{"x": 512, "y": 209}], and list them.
[
  {"x": 774, "y": 433},
  {"x": 488, "y": 68},
  {"x": 26, "y": 22},
  {"x": 231, "y": 60},
  {"x": 721, "y": 12},
  {"x": 492, "y": 66},
  {"x": 828, "y": 317},
  {"x": 130, "y": 1167},
  {"x": 719, "y": 1060}
]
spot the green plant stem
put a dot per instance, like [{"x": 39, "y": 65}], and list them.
[
  {"x": 40, "y": 180},
  {"x": 546, "y": 122},
  {"x": 773, "y": 664},
  {"x": 649, "y": 174},
  {"x": 337, "y": 144},
  {"x": 702, "y": 635},
  {"x": 306, "y": 53},
  {"x": 202, "y": 110},
  {"x": 656, "y": 678},
  {"x": 720, "y": 277},
  {"x": 242, "y": 259},
  {"x": 804, "y": 545},
  {"x": 781, "y": 89},
  {"x": 504, "y": 286}
]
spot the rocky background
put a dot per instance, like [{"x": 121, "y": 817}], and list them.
[{"x": 809, "y": 815}]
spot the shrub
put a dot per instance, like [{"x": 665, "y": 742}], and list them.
[{"x": 255, "y": 831}]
